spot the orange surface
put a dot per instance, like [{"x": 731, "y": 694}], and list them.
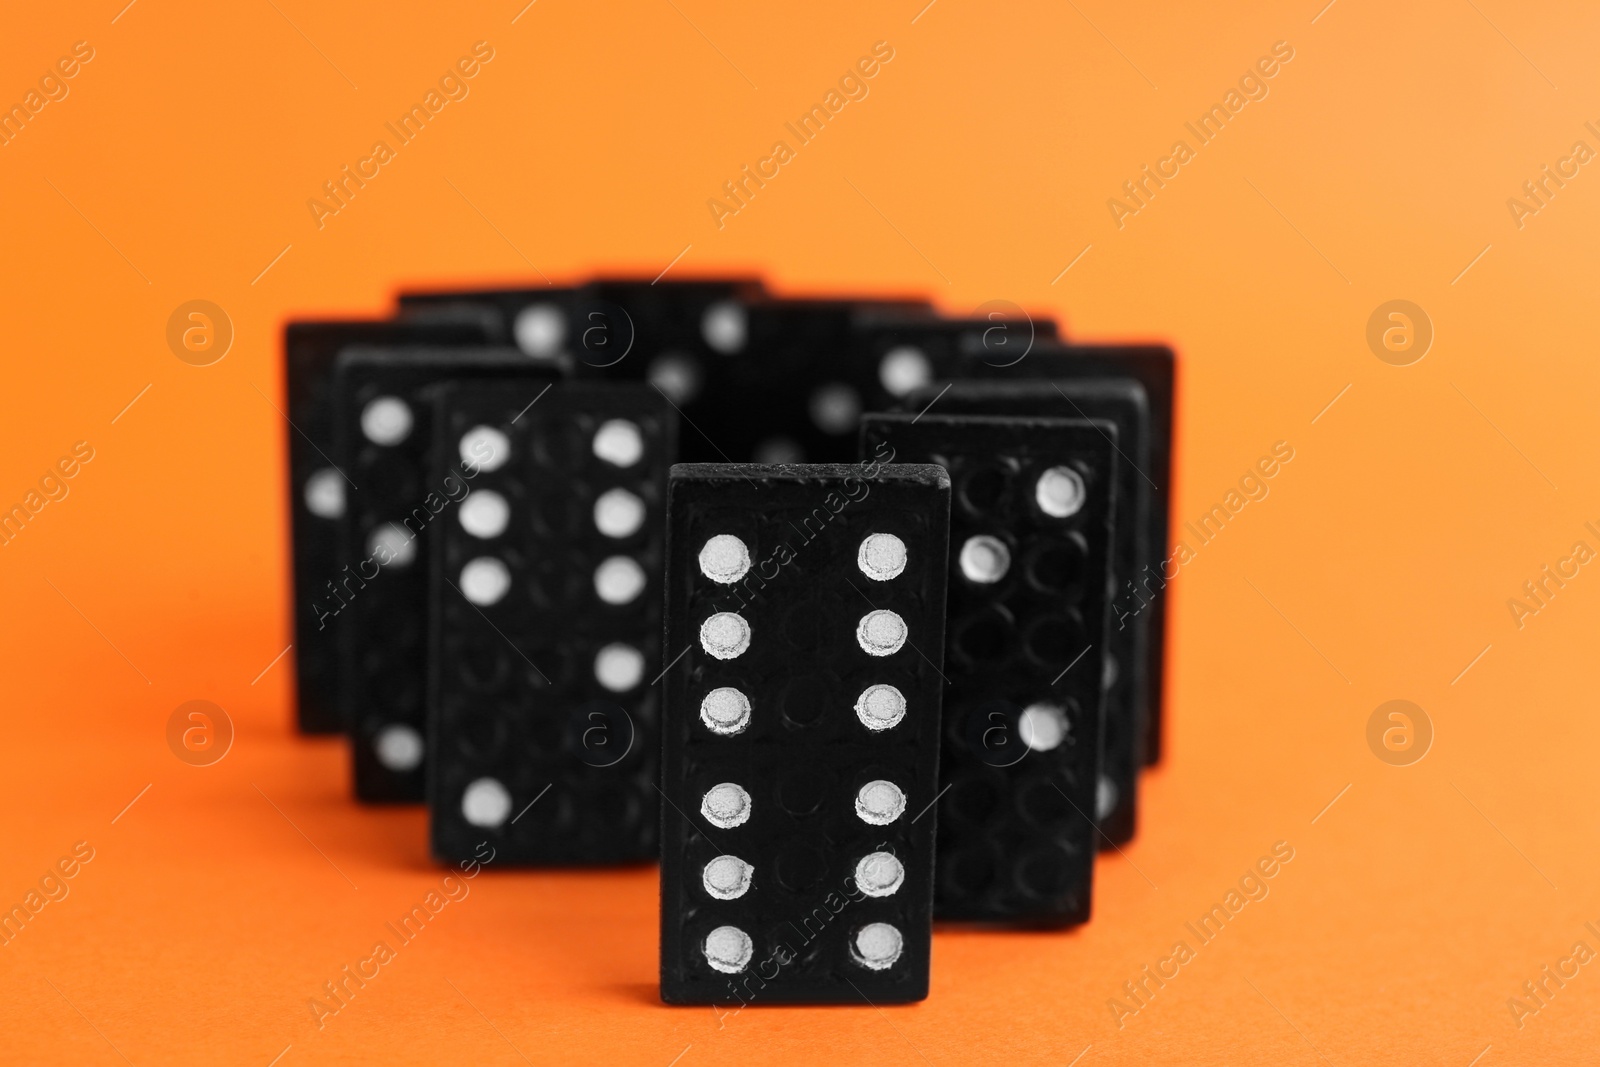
[{"x": 1378, "y": 166}]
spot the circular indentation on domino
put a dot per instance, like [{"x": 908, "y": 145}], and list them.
[
  {"x": 800, "y": 864},
  {"x": 880, "y": 803},
  {"x": 983, "y": 487},
  {"x": 1105, "y": 798},
  {"x": 619, "y": 442},
  {"x": 725, "y": 635},
  {"x": 727, "y": 877},
  {"x": 619, "y": 667},
  {"x": 984, "y": 559},
  {"x": 484, "y": 448},
  {"x": 391, "y": 545},
  {"x": 904, "y": 369},
  {"x": 676, "y": 375},
  {"x": 324, "y": 494},
  {"x": 725, "y": 327},
  {"x": 802, "y": 788},
  {"x": 726, "y": 805},
  {"x": 724, "y": 559},
  {"x": 804, "y": 700},
  {"x": 986, "y": 636},
  {"x": 834, "y": 408},
  {"x": 725, "y": 711},
  {"x": 728, "y": 949},
  {"x": 1057, "y": 566},
  {"x": 1045, "y": 872},
  {"x": 1060, "y": 492},
  {"x": 1042, "y": 727},
  {"x": 485, "y": 802},
  {"x": 618, "y": 513},
  {"x": 881, "y": 632},
  {"x": 967, "y": 871},
  {"x": 880, "y": 706},
  {"x": 386, "y": 420},
  {"x": 619, "y": 580},
  {"x": 877, "y": 946},
  {"x": 879, "y": 874},
  {"x": 485, "y": 581},
  {"x": 398, "y": 748},
  {"x": 1109, "y": 672},
  {"x": 1056, "y": 639},
  {"x": 540, "y": 330},
  {"x": 882, "y": 556},
  {"x": 485, "y": 514}
]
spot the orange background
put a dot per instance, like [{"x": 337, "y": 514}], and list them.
[{"x": 978, "y": 168}]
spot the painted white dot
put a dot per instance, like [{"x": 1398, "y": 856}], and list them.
[
  {"x": 904, "y": 369},
  {"x": 618, "y": 513},
  {"x": 725, "y": 635},
  {"x": 724, "y": 558},
  {"x": 881, "y": 632},
  {"x": 485, "y": 581},
  {"x": 774, "y": 451},
  {"x": 880, "y": 706},
  {"x": 386, "y": 420},
  {"x": 1060, "y": 492},
  {"x": 676, "y": 375},
  {"x": 880, "y": 803},
  {"x": 485, "y": 802},
  {"x": 325, "y": 493},
  {"x": 725, "y": 327},
  {"x": 726, "y": 805},
  {"x": 725, "y": 711},
  {"x": 485, "y": 514},
  {"x": 727, "y": 877},
  {"x": 879, "y": 874},
  {"x": 484, "y": 448},
  {"x": 392, "y": 546},
  {"x": 984, "y": 559},
  {"x": 540, "y": 329},
  {"x": 1042, "y": 727},
  {"x": 1105, "y": 798},
  {"x": 399, "y": 748},
  {"x": 619, "y": 580},
  {"x": 882, "y": 556},
  {"x": 619, "y": 667},
  {"x": 619, "y": 442},
  {"x": 878, "y": 946},
  {"x": 835, "y": 407},
  {"x": 728, "y": 949}
]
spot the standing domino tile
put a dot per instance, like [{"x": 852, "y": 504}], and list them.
[
  {"x": 1030, "y": 537},
  {"x": 804, "y": 628},
  {"x": 546, "y": 631},
  {"x": 379, "y": 595},
  {"x": 320, "y": 492},
  {"x": 1121, "y": 401},
  {"x": 1155, "y": 368}
]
